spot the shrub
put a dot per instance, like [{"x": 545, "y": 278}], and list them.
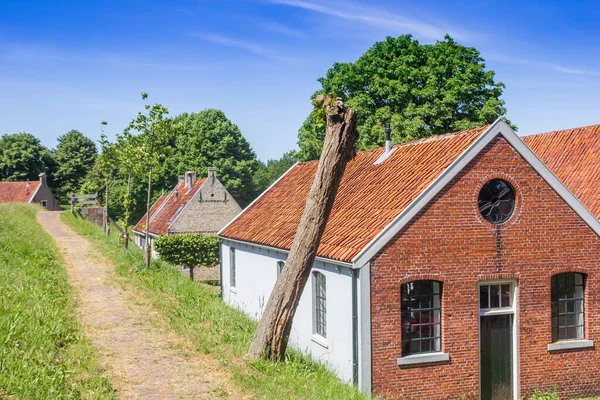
[{"x": 189, "y": 250}]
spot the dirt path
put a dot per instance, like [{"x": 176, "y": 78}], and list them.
[{"x": 144, "y": 359}]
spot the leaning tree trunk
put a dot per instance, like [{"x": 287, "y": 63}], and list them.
[
  {"x": 148, "y": 250},
  {"x": 271, "y": 338}
]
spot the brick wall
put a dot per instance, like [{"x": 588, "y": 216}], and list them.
[{"x": 449, "y": 241}]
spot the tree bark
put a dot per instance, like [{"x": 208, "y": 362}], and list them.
[
  {"x": 107, "y": 221},
  {"x": 192, "y": 273},
  {"x": 126, "y": 239},
  {"x": 148, "y": 251},
  {"x": 271, "y": 337}
]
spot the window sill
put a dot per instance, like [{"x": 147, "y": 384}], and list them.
[
  {"x": 570, "y": 344},
  {"x": 320, "y": 340},
  {"x": 424, "y": 358},
  {"x": 232, "y": 290}
]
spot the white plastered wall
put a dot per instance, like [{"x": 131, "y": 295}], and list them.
[{"x": 256, "y": 273}]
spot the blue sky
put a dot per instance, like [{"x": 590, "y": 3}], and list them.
[{"x": 71, "y": 64}]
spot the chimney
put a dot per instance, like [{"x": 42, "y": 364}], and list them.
[
  {"x": 388, "y": 138},
  {"x": 43, "y": 181},
  {"x": 190, "y": 177},
  {"x": 27, "y": 188},
  {"x": 212, "y": 175},
  {"x": 388, "y": 145},
  {"x": 180, "y": 179}
]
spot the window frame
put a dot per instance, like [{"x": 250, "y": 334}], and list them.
[
  {"x": 232, "y": 268},
  {"x": 556, "y": 298},
  {"x": 319, "y": 286},
  {"x": 433, "y": 311},
  {"x": 280, "y": 266}
]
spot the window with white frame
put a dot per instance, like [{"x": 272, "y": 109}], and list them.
[
  {"x": 280, "y": 265},
  {"x": 231, "y": 267},
  {"x": 567, "y": 303},
  {"x": 319, "y": 304},
  {"x": 421, "y": 305}
]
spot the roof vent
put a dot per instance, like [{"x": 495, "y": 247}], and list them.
[{"x": 388, "y": 145}]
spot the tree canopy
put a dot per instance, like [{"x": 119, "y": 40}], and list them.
[
  {"x": 23, "y": 157},
  {"x": 209, "y": 139},
  {"x": 420, "y": 89},
  {"x": 75, "y": 156}
]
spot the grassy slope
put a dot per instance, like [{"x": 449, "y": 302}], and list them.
[
  {"x": 43, "y": 353},
  {"x": 197, "y": 312}
]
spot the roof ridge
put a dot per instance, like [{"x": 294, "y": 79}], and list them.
[
  {"x": 428, "y": 139},
  {"x": 585, "y": 127}
]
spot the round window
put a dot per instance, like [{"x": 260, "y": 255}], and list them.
[{"x": 496, "y": 201}]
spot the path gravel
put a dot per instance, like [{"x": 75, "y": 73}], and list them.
[{"x": 145, "y": 359}]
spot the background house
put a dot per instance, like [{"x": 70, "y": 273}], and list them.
[
  {"x": 29, "y": 192},
  {"x": 456, "y": 265},
  {"x": 193, "y": 206}
]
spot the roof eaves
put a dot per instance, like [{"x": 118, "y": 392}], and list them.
[
  {"x": 258, "y": 198},
  {"x": 266, "y": 247}
]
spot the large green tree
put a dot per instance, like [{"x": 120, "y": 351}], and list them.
[
  {"x": 75, "y": 156},
  {"x": 420, "y": 89},
  {"x": 23, "y": 157},
  {"x": 209, "y": 139}
]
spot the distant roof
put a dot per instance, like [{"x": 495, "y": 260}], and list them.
[
  {"x": 21, "y": 192},
  {"x": 370, "y": 196},
  {"x": 167, "y": 208},
  {"x": 573, "y": 155}
]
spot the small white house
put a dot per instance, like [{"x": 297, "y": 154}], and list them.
[{"x": 441, "y": 272}]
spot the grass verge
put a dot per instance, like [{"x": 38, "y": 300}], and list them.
[
  {"x": 43, "y": 353},
  {"x": 196, "y": 311}
]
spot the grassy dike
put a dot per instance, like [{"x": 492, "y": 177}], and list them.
[
  {"x": 43, "y": 353},
  {"x": 195, "y": 311}
]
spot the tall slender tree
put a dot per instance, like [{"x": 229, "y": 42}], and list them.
[{"x": 153, "y": 130}]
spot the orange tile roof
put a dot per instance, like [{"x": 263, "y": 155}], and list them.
[
  {"x": 21, "y": 192},
  {"x": 168, "y": 207},
  {"x": 573, "y": 155},
  {"x": 368, "y": 199}
]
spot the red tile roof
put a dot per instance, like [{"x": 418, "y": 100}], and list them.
[
  {"x": 21, "y": 192},
  {"x": 168, "y": 207},
  {"x": 369, "y": 197},
  {"x": 573, "y": 155}
]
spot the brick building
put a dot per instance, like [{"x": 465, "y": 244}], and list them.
[
  {"x": 37, "y": 192},
  {"x": 193, "y": 206},
  {"x": 456, "y": 266}
]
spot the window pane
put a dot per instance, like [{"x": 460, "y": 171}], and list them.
[
  {"x": 505, "y": 295},
  {"x": 484, "y": 297},
  {"x": 495, "y": 296},
  {"x": 567, "y": 306},
  {"x": 421, "y": 316}
]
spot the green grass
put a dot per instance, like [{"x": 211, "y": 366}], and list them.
[
  {"x": 197, "y": 312},
  {"x": 43, "y": 353}
]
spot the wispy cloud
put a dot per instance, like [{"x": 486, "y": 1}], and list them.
[
  {"x": 280, "y": 28},
  {"x": 540, "y": 64},
  {"x": 378, "y": 18},
  {"x": 251, "y": 47}
]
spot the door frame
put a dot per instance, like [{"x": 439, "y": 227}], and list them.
[{"x": 513, "y": 310}]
